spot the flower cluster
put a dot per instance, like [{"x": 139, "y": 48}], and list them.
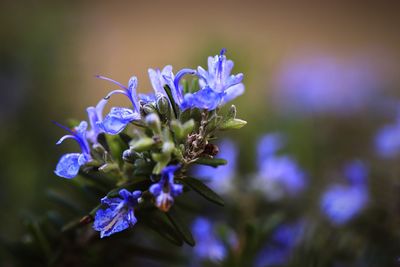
[{"x": 146, "y": 148}]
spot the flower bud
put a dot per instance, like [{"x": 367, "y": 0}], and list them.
[
  {"x": 163, "y": 106},
  {"x": 153, "y": 122},
  {"x": 148, "y": 109},
  {"x": 130, "y": 156}
]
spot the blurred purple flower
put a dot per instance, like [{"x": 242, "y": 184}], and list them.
[
  {"x": 268, "y": 145},
  {"x": 208, "y": 245},
  {"x": 279, "y": 248},
  {"x": 387, "y": 140},
  {"x": 325, "y": 84},
  {"x": 277, "y": 175},
  {"x": 220, "y": 178},
  {"x": 341, "y": 203},
  {"x": 356, "y": 172}
]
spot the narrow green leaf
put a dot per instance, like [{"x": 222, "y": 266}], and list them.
[
  {"x": 158, "y": 223},
  {"x": 182, "y": 229},
  {"x": 214, "y": 162},
  {"x": 203, "y": 190}
]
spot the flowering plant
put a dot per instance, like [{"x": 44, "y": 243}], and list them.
[{"x": 140, "y": 155}]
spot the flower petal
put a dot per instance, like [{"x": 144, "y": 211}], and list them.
[
  {"x": 68, "y": 166},
  {"x": 117, "y": 119},
  {"x": 111, "y": 221},
  {"x": 205, "y": 98},
  {"x": 232, "y": 92}
]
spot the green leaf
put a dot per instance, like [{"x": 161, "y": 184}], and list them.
[
  {"x": 156, "y": 221},
  {"x": 232, "y": 124},
  {"x": 64, "y": 201},
  {"x": 182, "y": 229},
  {"x": 214, "y": 162},
  {"x": 203, "y": 190}
]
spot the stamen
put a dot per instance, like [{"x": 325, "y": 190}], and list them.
[
  {"x": 113, "y": 81},
  {"x": 223, "y": 51},
  {"x": 64, "y": 127}
]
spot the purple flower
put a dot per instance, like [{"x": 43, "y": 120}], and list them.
[
  {"x": 147, "y": 98},
  {"x": 217, "y": 85},
  {"x": 160, "y": 78},
  {"x": 268, "y": 146},
  {"x": 283, "y": 241},
  {"x": 356, "y": 172},
  {"x": 95, "y": 115},
  {"x": 119, "y": 215},
  {"x": 116, "y": 121},
  {"x": 220, "y": 178},
  {"x": 387, "y": 140},
  {"x": 165, "y": 190},
  {"x": 341, "y": 203},
  {"x": 277, "y": 175},
  {"x": 69, "y": 164},
  {"x": 208, "y": 245},
  {"x": 324, "y": 84}
]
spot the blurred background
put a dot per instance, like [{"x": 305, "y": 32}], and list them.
[{"x": 323, "y": 76}]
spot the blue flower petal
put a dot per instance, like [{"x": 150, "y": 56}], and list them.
[
  {"x": 117, "y": 119},
  {"x": 176, "y": 189},
  {"x": 95, "y": 115},
  {"x": 69, "y": 164},
  {"x": 155, "y": 189},
  {"x": 232, "y": 92},
  {"x": 111, "y": 221},
  {"x": 203, "y": 99}
]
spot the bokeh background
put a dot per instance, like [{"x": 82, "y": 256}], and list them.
[{"x": 325, "y": 75}]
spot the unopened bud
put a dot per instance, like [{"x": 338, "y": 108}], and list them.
[
  {"x": 130, "y": 156},
  {"x": 148, "y": 108},
  {"x": 153, "y": 122},
  {"x": 163, "y": 105}
]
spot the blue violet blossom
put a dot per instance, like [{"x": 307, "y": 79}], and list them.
[
  {"x": 118, "y": 117},
  {"x": 208, "y": 245},
  {"x": 217, "y": 85},
  {"x": 95, "y": 115},
  {"x": 119, "y": 215},
  {"x": 278, "y": 175},
  {"x": 341, "y": 203},
  {"x": 387, "y": 140},
  {"x": 220, "y": 179},
  {"x": 166, "y": 189},
  {"x": 69, "y": 164},
  {"x": 278, "y": 251}
]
